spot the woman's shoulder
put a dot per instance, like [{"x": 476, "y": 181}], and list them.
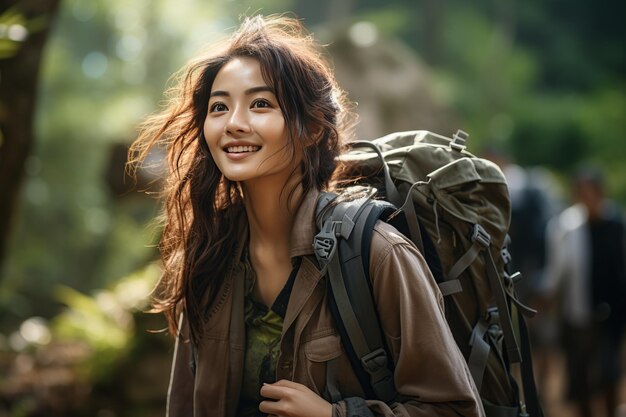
[
  {"x": 391, "y": 246},
  {"x": 385, "y": 235},
  {"x": 399, "y": 273},
  {"x": 386, "y": 238}
]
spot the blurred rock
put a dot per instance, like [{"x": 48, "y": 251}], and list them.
[{"x": 390, "y": 83}]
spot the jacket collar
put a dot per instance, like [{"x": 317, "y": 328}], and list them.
[{"x": 304, "y": 228}]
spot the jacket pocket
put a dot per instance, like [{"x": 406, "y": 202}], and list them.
[{"x": 318, "y": 353}]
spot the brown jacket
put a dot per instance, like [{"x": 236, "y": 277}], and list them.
[{"x": 431, "y": 375}]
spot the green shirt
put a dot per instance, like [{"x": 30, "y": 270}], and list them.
[{"x": 264, "y": 328}]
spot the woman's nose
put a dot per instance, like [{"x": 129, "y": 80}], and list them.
[{"x": 237, "y": 123}]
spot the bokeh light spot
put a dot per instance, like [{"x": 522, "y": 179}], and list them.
[
  {"x": 95, "y": 64},
  {"x": 363, "y": 34}
]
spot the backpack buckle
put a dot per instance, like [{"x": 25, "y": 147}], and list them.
[
  {"x": 325, "y": 241},
  {"x": 381, "y": 378},
  {"x": 492, "y": 318},
  {"x": 481, "y": 236},
  {"x": 374, "y": 361},
  {"x": 513, "y": 278},
  {"x": 458, "y": 140},
  {"x": 506, "y": 255},
  {"x": 492, "y": 315}
]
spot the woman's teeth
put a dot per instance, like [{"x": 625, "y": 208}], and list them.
[{"x": 239, "y": 149}]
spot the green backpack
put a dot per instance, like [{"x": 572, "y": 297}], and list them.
[{"x": 457, "y": 211}]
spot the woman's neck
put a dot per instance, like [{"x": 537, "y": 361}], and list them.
[
  {"x": 271, "y": 212},
  {"x": 271, "y": 209}
]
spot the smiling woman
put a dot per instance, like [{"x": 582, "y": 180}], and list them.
[
  {"x": 252, "y": 135},
  {"x": 245, "y": 128}
]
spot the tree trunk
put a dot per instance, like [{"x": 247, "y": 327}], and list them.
[{"x": 18, "y": 94}]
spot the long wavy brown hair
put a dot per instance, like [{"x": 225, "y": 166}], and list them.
[{"x": 202, "y": 209}]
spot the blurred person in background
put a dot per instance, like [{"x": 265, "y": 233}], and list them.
[{"x": 586, "y": 276}]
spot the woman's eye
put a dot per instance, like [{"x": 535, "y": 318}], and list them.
[
  {"x": 218, "y": 107},
  {"x": 261, "y": 104}
]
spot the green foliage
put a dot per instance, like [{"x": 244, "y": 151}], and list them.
[
  {"x": 484, "y": 77},
  {"x": 391, "y": 21},
  {"x": 15, "y": 29},
  {"x": 104, "y": 322},
  {"x": 11, "y": 20}
]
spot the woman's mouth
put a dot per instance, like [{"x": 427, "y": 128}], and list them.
[{"x": 242, "y": 149}]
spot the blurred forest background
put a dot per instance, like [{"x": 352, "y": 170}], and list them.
[{"x": 542, "y": 81}]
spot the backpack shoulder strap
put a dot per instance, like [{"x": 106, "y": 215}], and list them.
[{"x": 342, "y": 249}]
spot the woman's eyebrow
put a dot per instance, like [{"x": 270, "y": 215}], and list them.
[
  {"x": 258, "y": 89},
  {"x": 252, "y": 90}
]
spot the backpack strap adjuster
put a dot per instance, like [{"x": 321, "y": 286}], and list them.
[
  {"x": 375, "y": 364},
  {"x": 481, "y": 236},
  {"x": 492, "y": 315},
  {"x": 481, "y": 240},
  {"x": 375, "y": 360}
]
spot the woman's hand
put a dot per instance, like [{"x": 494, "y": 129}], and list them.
[{"x": 293, "y": 400}]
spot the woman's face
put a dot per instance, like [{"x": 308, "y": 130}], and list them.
[{"x": 245, "y": 128}]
